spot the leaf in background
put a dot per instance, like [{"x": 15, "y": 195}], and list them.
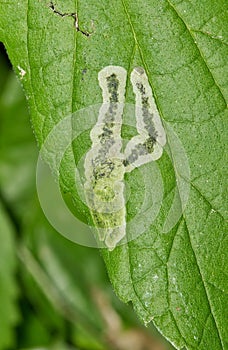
[
  {"x": 8, "y": 290},
  {"x": 177, "y": 279},
  {"x": 18, "y": 152}
]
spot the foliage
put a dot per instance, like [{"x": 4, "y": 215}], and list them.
[{"x": 177, "y": 279}]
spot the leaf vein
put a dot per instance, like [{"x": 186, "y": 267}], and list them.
[
  {"x": 204, "y": 285},
  {"x": 198, "y": 48}
]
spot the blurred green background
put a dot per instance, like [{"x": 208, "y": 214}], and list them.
[{"x": 54, "y": 294}]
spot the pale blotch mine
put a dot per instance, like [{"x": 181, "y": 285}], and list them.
[{"x": 105, "y": 164}]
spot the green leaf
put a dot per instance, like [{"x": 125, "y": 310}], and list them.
[
  {"x": 8, "y": 291},
  {"x": 177, "y": 279}
]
